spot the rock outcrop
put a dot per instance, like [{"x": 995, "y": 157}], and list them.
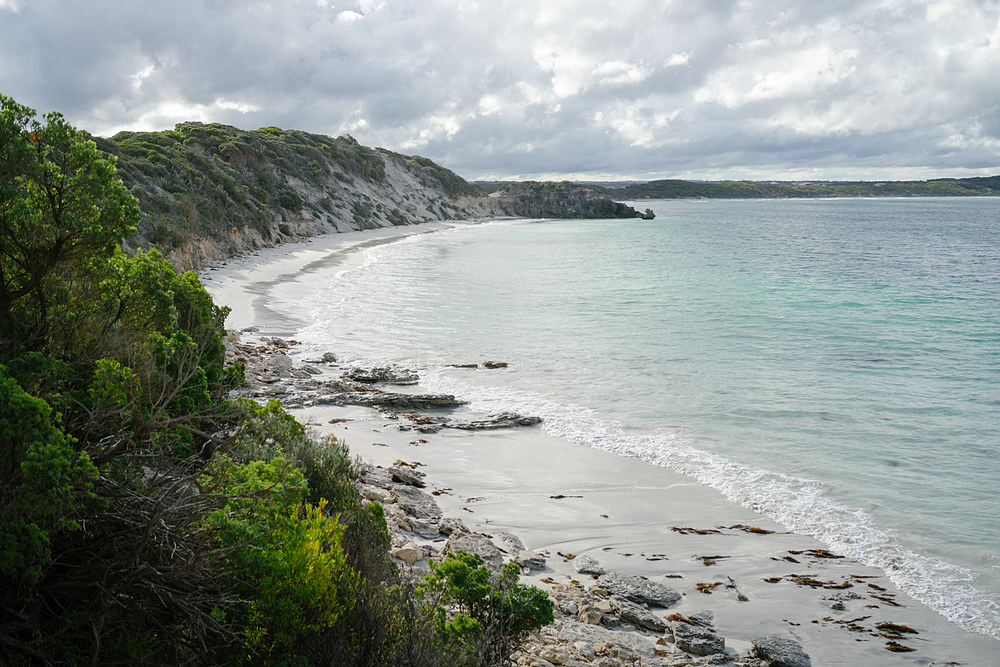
[{"x": 532, "y": 199}]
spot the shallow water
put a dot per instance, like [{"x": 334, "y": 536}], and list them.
[{"x": 833, "y": 364}]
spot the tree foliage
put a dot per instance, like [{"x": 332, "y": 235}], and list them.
[
  {"x": 489, "y": 616},
  {"x": 146, "y": 518},
  {"x": 62, "y": 207}
]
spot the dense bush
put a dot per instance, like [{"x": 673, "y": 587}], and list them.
[
  {"x": 487, "y": 616},
  {"x": 145, "y": 518}
]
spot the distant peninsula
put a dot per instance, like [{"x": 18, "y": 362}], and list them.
[
  {"x": 209, "y": 191},
  {"x": 677, "y": 189}
]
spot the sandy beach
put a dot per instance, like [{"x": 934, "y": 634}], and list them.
[{"x": 566, "y": 501}]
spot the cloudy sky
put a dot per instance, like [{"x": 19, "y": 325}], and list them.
[{"x": 580, "y": 89}]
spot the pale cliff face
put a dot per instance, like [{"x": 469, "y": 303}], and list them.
[{"x": 344, "y": 203}]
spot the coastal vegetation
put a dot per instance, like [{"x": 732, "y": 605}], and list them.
[
  {"x": 203, "y": 179},
  {"x": 942, "y": 187},
  {"x": 207, "y": 191},
  {"x": 145, "y": 516},
  {"x": 680, "y": 189}
]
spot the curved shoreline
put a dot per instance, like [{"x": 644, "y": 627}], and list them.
[{"x": 514, "y": 473}]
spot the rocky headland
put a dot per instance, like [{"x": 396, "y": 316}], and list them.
[{"x": 209, "y": 192}]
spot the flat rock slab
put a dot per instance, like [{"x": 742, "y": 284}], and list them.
[
  {"x": 385, "y": 399},
  {"x": 780, "y": 652},
  {"x": 573, "y": 631},
  {"x": 638, "y": 589},
  {"x": 385, "y": 375},
  {"x": 638, "y": 615},
  {"x": 502, "y": 420},
  {"x": 697, "y": 639},
  {"x": 414, "y": 501},
  {"x": 402, "y": 475}
]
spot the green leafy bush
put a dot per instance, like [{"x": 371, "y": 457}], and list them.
[
  {"x": 44, "y": 483},
  {"x": 488, "y": 616},
  {"x": 144, "y": 517}
]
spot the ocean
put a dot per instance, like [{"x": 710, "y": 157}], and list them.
[{"x": 833, "y": 364}]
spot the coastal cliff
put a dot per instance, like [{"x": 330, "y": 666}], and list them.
[{"x": 211, "y": 191}]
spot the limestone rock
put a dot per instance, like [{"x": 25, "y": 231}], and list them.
[
  {"x": 555, "y": 655},
  {"x": 697, "y": 639},
  {"x": 604, "y": 606},
  {"x": 480, "y": 545},
  {"x": 425, "y": 529},
  {"x": 385, "y": 399},
  {"x": 629, "y": 645},
  {"x": 585, "y": 649},
  {"x": 403, "y": 475},
  {"x": 639, "y": 615},
  {"x": 452, "y": 526},
  {"x": 502, "y": 420},
  {"x": 510, "y": 541},
  {"x": 589, "y": 615},
  {"x": 704, "y": 618},
  {"x": 369, "y": 492},
  {"x": 416, "y": 502},
  {"x": 384, "y": 375},
  {"x": 409, "y": 553},
  {"x": 568, "y": 607},
  {"x": 781, "y": 652},
  {"x": 588, "y": 565},
  {"x": 528, "y": 559},
  {"x": 280, "y": 362},
  {"x": 639, "y": 590}
]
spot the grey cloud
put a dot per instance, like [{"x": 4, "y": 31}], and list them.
[{"x": 566, "y": 87}]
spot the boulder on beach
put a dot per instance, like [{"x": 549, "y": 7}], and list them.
[
  {"x": 697, "y": 639},
  {"x": 403, "y": 475},
  {"x": 528, "y": 559},
  {"x": 588, "y": 565},
  {"x": 638, "y": 589},
  {"x": 638, "y": 615},
  {"x": 415, "y": 502},
  {"x": 502, "y": 420},
  {"x": 781, "y": 652}
]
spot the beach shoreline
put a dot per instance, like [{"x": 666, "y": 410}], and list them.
[{"x": 632, "y": 517}]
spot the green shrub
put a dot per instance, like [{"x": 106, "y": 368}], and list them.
[
  {"x": 488, "y": 616},
  {"x": 286, "y": 555},
  {"x": 44, "y": 482}
]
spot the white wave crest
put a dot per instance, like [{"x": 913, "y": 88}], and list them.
[{"x": 796, "y": 503}]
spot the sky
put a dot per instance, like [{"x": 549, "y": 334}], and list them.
[{"x": 543, "y": 89}]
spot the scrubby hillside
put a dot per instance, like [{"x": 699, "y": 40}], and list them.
[
  {"x": 533, "y": 199},
  {"x": 209, "y": 191},
  {"x": 942, "y": 187},
  {"x": 147, "y": 518}
]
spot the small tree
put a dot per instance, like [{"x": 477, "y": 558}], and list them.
[
  {"x": 61, "y": 202},
  {"x": 490, "y": 616}
]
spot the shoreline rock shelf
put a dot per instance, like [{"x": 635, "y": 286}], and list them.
[
  {"x": 603, "y": 618},
  {"x": 618, "y": 620}
]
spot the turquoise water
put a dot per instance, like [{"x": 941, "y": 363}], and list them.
[{"x": 834, "y": 364}]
